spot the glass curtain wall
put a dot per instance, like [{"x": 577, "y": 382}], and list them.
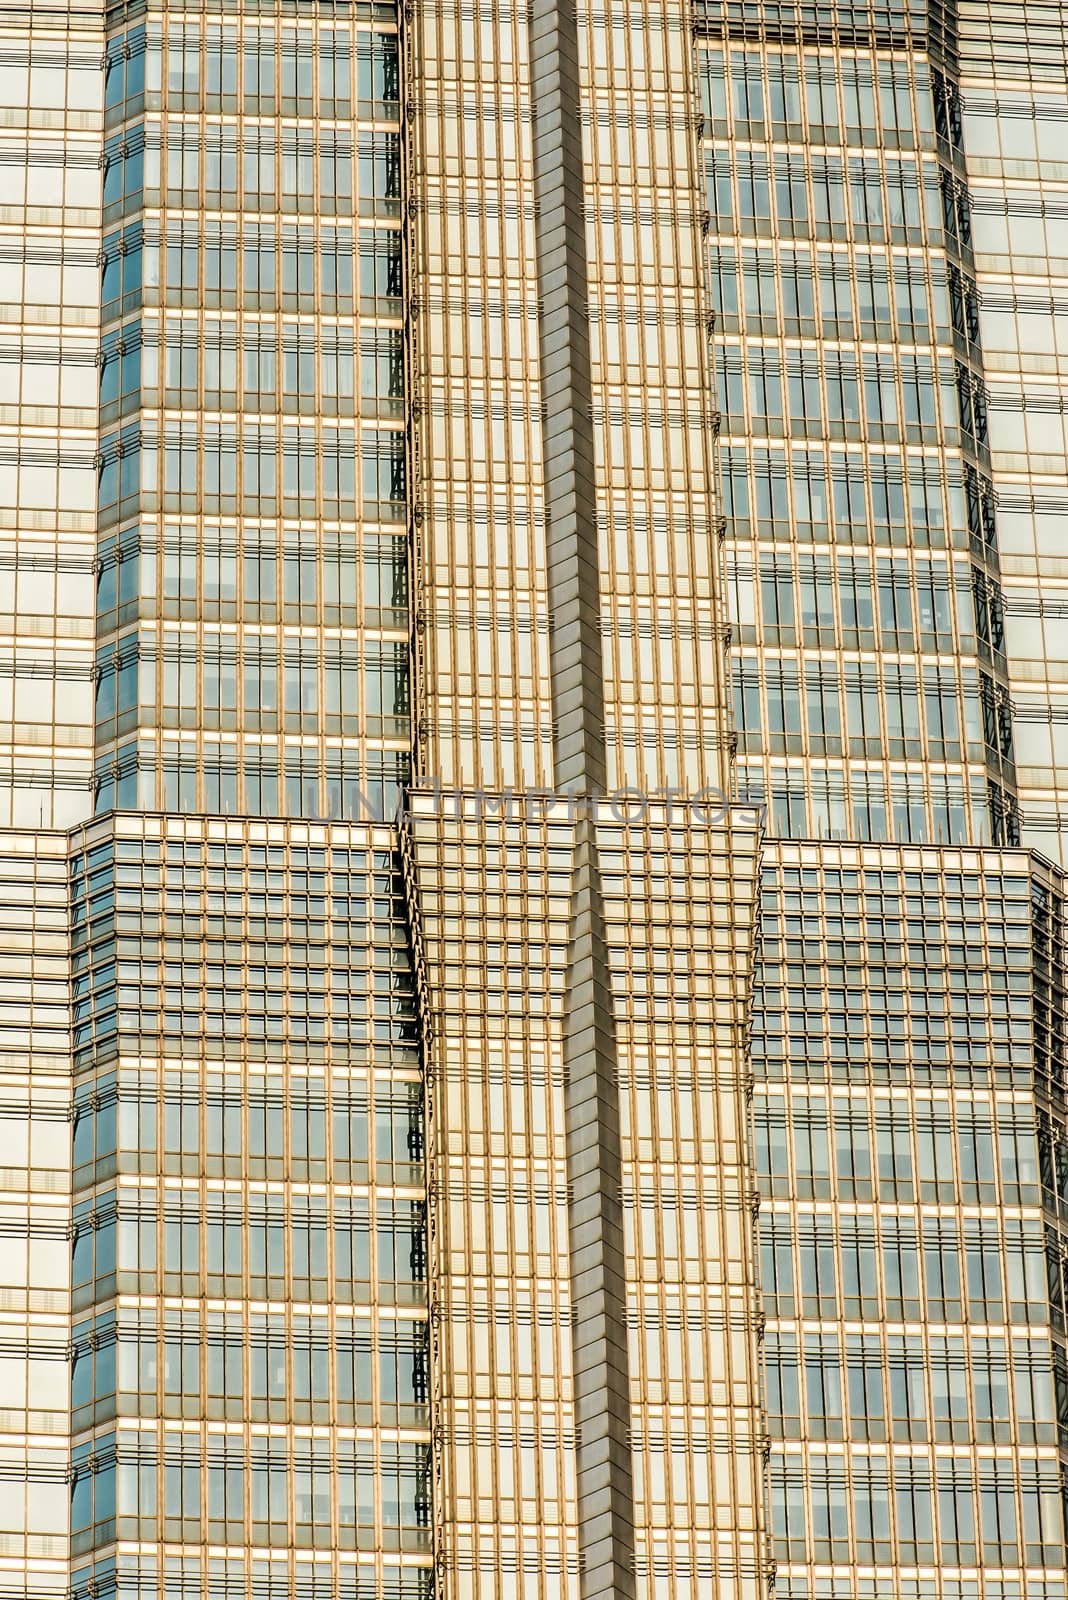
[
  {"x": 252, "y": 591},
  {"x": 250, "y": 1346},
  {"x": 870, "y": 690}
]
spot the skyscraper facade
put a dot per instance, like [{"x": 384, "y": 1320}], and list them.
[
  {"x": 534, "y": 1016},
  {"x": 906, "y": 1110},
  {"x": 906, "y": 1041}
]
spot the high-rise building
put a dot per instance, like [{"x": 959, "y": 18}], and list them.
[
  {"x": 908, "y": 1035},
  {"x": 534, "y": 1022}
]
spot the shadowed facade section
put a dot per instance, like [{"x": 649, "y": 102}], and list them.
[
  {"x": 595, "y": 1229},
  {"x": 591, "y": 1076},
  {"x": 566, "y": 398}
]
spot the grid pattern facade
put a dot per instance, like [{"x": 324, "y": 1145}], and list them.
[
  {"x": 50, "y": 150},
  {"x": 248, "y": 1289},
  {"x": 35, "y": 1215},
  {"x": 569, "y": 631},
  {"x": 472, "y": 1205},
  {"x": 1013, "y": 98},
  {"x": 252, "y": 649},
  {"x": 914, "y": 1356},
  {"x": 480, "y": 450},
  {"x": 494, "y": 902},
  {"x": 870, "y": 689}
]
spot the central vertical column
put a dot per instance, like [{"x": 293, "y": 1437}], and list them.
[
  {"x": 591, "y": 1078},
  {"x": 595, "y": 1244},
  {"x": 566, "y": 401}
]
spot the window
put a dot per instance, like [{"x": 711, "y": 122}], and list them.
[
  {"x": 378, "y": 75},
  {"x": 124, "y": 173},
  {"x": 379, "y": 174}
]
